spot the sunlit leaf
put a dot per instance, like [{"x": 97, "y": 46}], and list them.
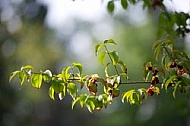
[
  {"x": 110, "y": 41},
  {"x": 83, "y": 98},
  {"x": 114, "y": 57},
  {"x": 90, "y": 104},
  {"x": 22, "y": 77},
  {"x": 75, "y": 101},
  {"x": 72, "y": 90},
  {"x": 51, "y": 93},
  {"x": 46, "y": 75},
  {"x": 26, "y": 67},
  {"x": 98, "y": 47},
  {"x": 36, "y": 80},
  {"x": 106, "y": 70},
  {"x": 13, "y": 74},
  {"x": 124, "y": 4},
  {"x": 156, "y": 90},
  {"x": 111, "y": 6},
  {"x": 63, "y": 92},
  {"x": 101, "y": 57},
  {"x": 78, "y": 65},
  {"x": 65, "y": 74},
  {"x": 127, "y": 95}
]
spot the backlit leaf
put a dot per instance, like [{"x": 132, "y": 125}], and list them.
[
  {"x": 22, "y": 77},
  {"x": 65, "y": 74},
  {"x": 72, "y": 90},
  {"x": 75, "y": 101},
  {"x": 101, "y": 57},
  {"x": 114, "y": 57},
  {"x": 78, "y": 65},
  {"x": 26, "y": 67},
  {"x": 51, "y": 93},
  {"x": 36, "y": 80},
  {"x": 98, "y": 47},
  {"x": 13, "y": 74},
  {"x": 110, "y": 41}
]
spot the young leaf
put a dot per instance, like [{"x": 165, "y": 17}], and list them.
[
  {"x": 98, "y": 47},
  {"x": 101, "y": 57},
  {"x": 124, "y": 4},
  {"x": 51, "y": 93},
  {"x": 83, "y": 98},
  {"x": 22, "y": 76},
  {"x": 79, "y": 66},
  {"x": 72, "y": 90},
  {"x": 65, "y": 74},
  {"x": 26, "y": 67},
  {"x": 110, "y": 41},
  {"x": 90, "y": 104},
  {"x": 127, "y": 95},
  {"x": 13, "y": 74},
  {"x": 46, "y": 75},
  {"x": 63, "y": 92},
  {"x": 111, "y": 6},
  {"x": 74, "y": 102},
  {"x": 106, "y": 70},
  {"x": 36, "y": 80},
  {"x": 114, "y": 57}
]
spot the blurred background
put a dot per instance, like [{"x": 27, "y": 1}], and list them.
[{"x": 52, "y": 34}]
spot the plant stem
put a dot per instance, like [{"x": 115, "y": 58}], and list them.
[{"x": 111, "y": 60}]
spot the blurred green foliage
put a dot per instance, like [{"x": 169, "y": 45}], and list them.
[{"x": 31, "y": 42}]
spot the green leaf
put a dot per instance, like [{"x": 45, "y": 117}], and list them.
[
  {"x": 111, "y": 6},
  {"x": 46, "y": 75},
  {"x": 98, "y": 47},
  {"x": 110, "y": 41},
  {"x": 36, "y": 80},
  {"x": 26, "y": 67},
  {"x": 72, "y": 90},
  {"x": 83, "y": 98},
  {"x": 114, "y": 57},
  {"x": 157, "y": 52},
  {"x": 74, "y": 102},
  {"x": 90, "y": 104},
  {"x": 181, "y": 53},
  {"x": 175, "y": 88},
  {"x": 101, "y": 57},
  {"x": 124, "y": 4},
  {"x": 63, "y": 92},
  {"x": 65, "y": 74},
  {"x": 128, "y": 95},
  {"x": 13, "y": 74},
  {"x": 57, "y": 85},
  {"x": 106, "y": 70},
  {"x": 79, "y": 66},
  {"x": 168, "y": 81},
  {"x": 22, "y": 76},
  {"x": 51, "y": 93}
]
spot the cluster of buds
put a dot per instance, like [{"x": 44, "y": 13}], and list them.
[
  {"x": 180, "y": 69},
  {"x": 154, "y": 81}
]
